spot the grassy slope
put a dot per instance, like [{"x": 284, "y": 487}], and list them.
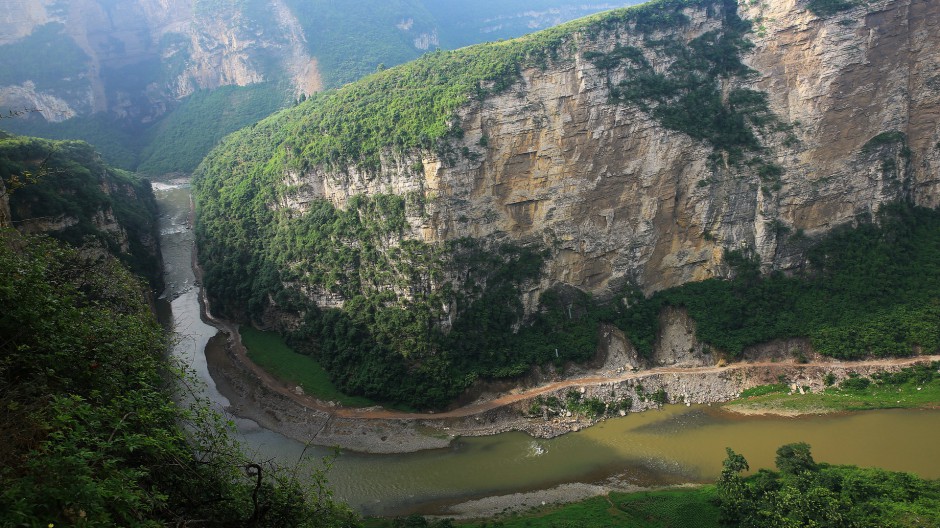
[
  {"x": 913, "y": 393},
  {"x": 690, "y": 508},
  {"x": 181, "y": 140},
  {"x": 269, "y": 351},
  {"x": 413, "y": 105}
]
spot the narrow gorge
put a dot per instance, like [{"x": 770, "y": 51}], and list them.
[{"x": 474, "y": 213}]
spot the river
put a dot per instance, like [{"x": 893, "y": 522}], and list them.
[{"x": 675, "y": 445}]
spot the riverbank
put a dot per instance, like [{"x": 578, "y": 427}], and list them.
[
  {"x": 685, "y": 506},
  {"x": 584, "y": 505},
  {"x": 617, "y": 382},
  {"x": 648, "y": 450},
  {"x": 909, "y": 389},
  {"x": 545, "y": 411}
]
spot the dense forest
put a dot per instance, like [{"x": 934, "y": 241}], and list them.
[
  {"x": 871, "y": 290},
  {"x": 93, "y": 433},
  {"x": 803, "y": 492}
]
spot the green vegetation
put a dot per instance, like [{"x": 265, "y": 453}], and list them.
[
  {"x": 180, "y": 141},
  {"x": 869, "y": 291},
  {"x": 71, "y": 187},
  {"x": 466, "y": 23},
  {"x": 269, "y": 351},
  {"x": 349, "y": 43},
  {"x": 762, "y": 390},
  {"x": 48, "y": 57},
  {"x": 666, "y": 508},
  {"x": 803, "y": 492},
  {"x": 388, "y": 341},
  {"x": 92, "y": 436},
  {"x": 118, "y": 143},
  {"x": 825, "y": 8},
  {"x": 678, "y": 508},
  {"x": 352, "y": 41},
  {"x": 912, "y": 387},
  {"x": 389, "y": 346},
  {"x": 176, "y": 143},
  {"x": 418, "y": 323},
  {"x": 885, "y": 138},
  {"x": 413, "y": 106},
  {"x": 687, "y": 96}
]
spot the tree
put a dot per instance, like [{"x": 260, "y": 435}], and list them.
[
  {"x": 793, "y": 459},
  {"x": 733, "y": 492}
]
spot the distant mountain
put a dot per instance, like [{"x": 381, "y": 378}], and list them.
[{"x": 113, "y": 72}]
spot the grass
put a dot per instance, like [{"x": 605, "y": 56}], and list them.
[
  {"x": 763, "y": 390},
  {"x": 910, "y": 395},
  {"x": 675, "y": 508},
  {"x": 692, "y": 508},
  {"x": 669, "y": 508},
  {"x": 268, "y": 350}
]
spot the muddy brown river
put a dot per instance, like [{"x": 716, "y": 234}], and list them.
[{"x": 675, "y": 445}]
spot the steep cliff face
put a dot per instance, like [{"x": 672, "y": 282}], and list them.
[
  {"x": 65, "y": 191},
  {"x": 140, "y": 55},
  {"x": 466, "y": 211},
  {"x": 617, "y": 195}
]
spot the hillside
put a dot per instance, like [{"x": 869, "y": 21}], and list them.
[
  {"x": 98, "y": 423},
  {"x": 64, "y": 189},
  {"x": 140, "y": 79},
  {"x": 93, "y": 433},
  {"x": 472, "y": 213}
]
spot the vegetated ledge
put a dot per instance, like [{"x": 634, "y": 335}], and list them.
[{"x": 623, "y": 383}]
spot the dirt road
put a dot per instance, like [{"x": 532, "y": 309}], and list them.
[{"x": 518, "y": 395}]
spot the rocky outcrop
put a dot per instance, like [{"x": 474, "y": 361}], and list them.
[
  {"x": 27, "y": 96},
  {"x": 68, "y": 193},
  {"x": 617, "y": 196},
  {"x": 143, "y": 54}
]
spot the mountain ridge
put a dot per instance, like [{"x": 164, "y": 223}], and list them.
[{"x": 475, "y": 201}]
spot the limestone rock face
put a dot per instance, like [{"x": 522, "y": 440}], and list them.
[
  {"x": 142, "y": 54},
  {"x": 616, "y": 197},
  {"x": 54, "y": 109},
  {"x": 67, "y": 192}
]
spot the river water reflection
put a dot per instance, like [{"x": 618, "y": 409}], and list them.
[{"x": 675, "y": 445}]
